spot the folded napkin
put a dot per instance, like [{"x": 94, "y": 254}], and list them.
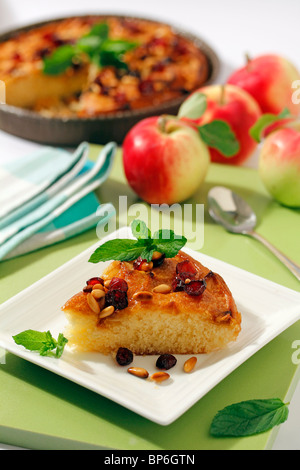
[{"x": 46, "y": 203}]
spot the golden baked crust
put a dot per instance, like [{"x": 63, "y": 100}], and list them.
[
  {"x": 175, "y": 323},
  {"x": 164, "y": 66}
]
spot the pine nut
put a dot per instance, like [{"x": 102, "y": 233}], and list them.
[
  {"x": 107, "y": 283},
  {"x": 138, "y": 372},
  {"x": 107, "y": 312},
  {"x": 93, "y": 304},
  {"x": 156, "y": 256},
  {"x": 224, "y": 319},
  {"x": 190, "y": 365},
  {"x": 188, "y": 281},
  {"x": 143, "y": 296},
  {"x": 101, "y": 303},
  {"x": 162, "y": 289},
  {"x": 99, "y": 287},
  {"x": 146, "y": 267},
  {"x": 160, "y": 377},
  {"x": 98, "y": 294}
]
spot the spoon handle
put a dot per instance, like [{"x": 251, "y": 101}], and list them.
[{"x": 293, "y": 267}]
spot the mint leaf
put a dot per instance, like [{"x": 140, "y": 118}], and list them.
[
  {"x": 140, "y": 230},
  {"x": 118, "y": 250},
  {"x": 95, "y": 45},
  {"x": 42, "y": 342},
  {"x": 31, "y": 340},
  {"x": 100, "y": 29},
  {"x": 112, "y": 52},
  {"x": 218, "y": 134},
  {"x": 118, "y": 46},
  {"x": 257, "y": 131},
  {"x": 249, "y": 418},
  {"x": 147, "y": 253},
  {"x": 193, "y": 107},
  {"x": 61, "y": 343},
  {"x": 164, "y": 241},
  {"x": 91, "y": 43},
  {"x": 168, "y": 243},
  {"x": 60, "y": 60}
]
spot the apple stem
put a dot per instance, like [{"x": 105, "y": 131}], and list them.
[
  {"x": 248, "y": 61},
  {"x": 222, "y": 99},
  {"x": 167, "y": 124},
  {"x": 162, "y": 123}
]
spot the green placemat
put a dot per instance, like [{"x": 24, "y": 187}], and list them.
[{"x": 40, "y": 410}]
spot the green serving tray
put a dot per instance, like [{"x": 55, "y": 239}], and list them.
[{"x": 40, "y": 410}]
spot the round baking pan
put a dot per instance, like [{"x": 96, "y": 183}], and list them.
[{"x": 32, "y": 126}]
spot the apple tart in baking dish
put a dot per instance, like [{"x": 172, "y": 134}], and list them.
[
  {"x": 89, "y": 66},
  {"x": 159, "y": 306}
]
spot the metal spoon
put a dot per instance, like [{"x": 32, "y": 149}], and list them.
[{"x": 236, "y": 216}]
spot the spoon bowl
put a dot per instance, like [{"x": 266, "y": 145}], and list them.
[{"x": 230, "y": 210}]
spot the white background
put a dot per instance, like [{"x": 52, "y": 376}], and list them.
[{"x": 232, "y": 27}]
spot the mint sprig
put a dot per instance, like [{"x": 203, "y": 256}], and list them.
[
  {"x": 42, "y": 342},
  {"x": 249, "y": 418},
  {"x": 257, "y": 131},
  {"x": 96, "y": 46},
  {"x": 193, "y": 107},
  {"x": 163, "y": 241},
  {"x": 60, "y": 60},
  {"x": 216, "y": 134}
]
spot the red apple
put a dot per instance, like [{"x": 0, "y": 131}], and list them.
[
  {"x": 279, "y": 166},
  {"x": 236, "y": 107},
  {"x": 269, "y": 78},
  {"x": 165, "y": 161}
]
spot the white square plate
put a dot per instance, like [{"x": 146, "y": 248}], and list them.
[{"x": 267, "y": 310}]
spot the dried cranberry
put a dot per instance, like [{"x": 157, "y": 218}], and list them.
[
  {"x": 159, "y": 67},
  {"x": 186, "y": 270},
  {"x": 180, "y": 47},
  {"x": 117, "y": 294},
  {"x": 139, "y": 263},
  {"x": 88, "y": 289},
  {"x": 42, "y": 53},
  {"x": 117, "y": 299},
  {"x": 55, "y": 39},
  {"x": 124, "y": 357},
  {"x": 118, "y": 284},
  {"x": 166, "y": 362},
  {"x": 17, "y": 57},
  {"x": 146, "y": 87},
  {"x": 121, "y": 100},
  {"x": 178, "y": 284},
  {"x": 94, "y": 281},
  {"x": 209, "y": 275},
  {"x": 195, "y": 288},
  {"x": 158, "y": 42},
  {"x": 132, "y": 26}
]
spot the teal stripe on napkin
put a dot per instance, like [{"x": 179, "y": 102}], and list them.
[
  {"x": 86, "y": 215},
  {"x": 26, "y": 178},
  {"x": 71, "y": 210}
]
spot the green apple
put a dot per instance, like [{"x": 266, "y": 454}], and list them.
[{"x": 279, "y": 165}]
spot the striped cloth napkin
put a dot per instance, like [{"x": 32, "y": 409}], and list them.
[{"x": 49, "y": 197}]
